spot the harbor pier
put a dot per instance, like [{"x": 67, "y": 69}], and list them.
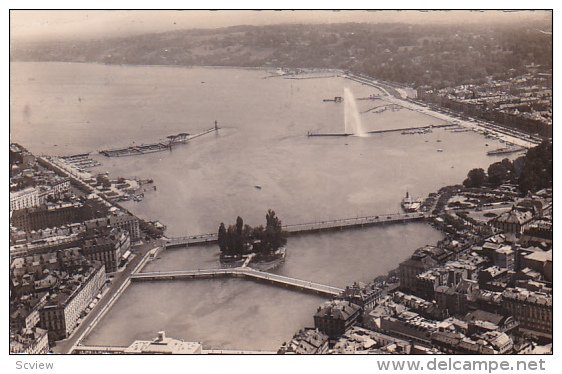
[{"x": 172, "y": 140}]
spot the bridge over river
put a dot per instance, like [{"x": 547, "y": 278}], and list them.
[
  {"x": 241, "y": 272},
  {"x": 311, "y": 227}
]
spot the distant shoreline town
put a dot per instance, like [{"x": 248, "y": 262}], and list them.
[{"x": 500, "y": 73}]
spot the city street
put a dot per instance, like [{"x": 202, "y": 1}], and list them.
[{"x": 64, "y": 346}]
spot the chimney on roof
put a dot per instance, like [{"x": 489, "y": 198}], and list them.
[{"x": 161, "y": 336}]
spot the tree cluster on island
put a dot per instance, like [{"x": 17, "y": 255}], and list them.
[
  {"x": 241, "y": 239},
  {"x": 531, "y": 172}
]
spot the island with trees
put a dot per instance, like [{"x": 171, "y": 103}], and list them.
[{"x": 265, "y": 246}]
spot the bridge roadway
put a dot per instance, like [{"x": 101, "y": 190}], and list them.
[
  {"x": 303, "y": 228},
  {"x": 242, "y": 272}
]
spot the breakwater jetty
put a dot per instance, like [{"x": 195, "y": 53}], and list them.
[
  {"x": 165, "y": 145},
  {"x": 423, "y": 127}
]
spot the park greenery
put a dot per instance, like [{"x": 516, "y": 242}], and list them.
[
  {"x": 242, "y": 239},
  {"x": 531, "y": 172}
]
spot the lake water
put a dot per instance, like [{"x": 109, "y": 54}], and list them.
[{"x": 65, "y": 108}]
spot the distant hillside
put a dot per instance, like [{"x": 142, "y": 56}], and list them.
[{"x": 438, "y": 55}]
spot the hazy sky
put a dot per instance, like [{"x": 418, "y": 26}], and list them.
[{"x": 55, "y": 24}]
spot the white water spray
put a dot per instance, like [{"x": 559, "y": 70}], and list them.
[{"x": 352, "y": 117}]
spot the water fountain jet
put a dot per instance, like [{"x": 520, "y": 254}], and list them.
[{"x": 352, "y": 118}]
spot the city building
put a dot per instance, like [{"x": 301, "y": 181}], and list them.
[
  {"x": 494, "y": 278},
  {"x": 118, "y": 219},
  {"x": 455, "y": 299},
  {"x": 409, "y": 326},
  {"x": 540, "y": 261},
  {"x": 533, "y": 310},
  {"x": 24, "y": 310},
  {"x": 492, "y": 342},
  {"x": 66, "y": 304},
  {"x": 523, "y": 102},
  {"x": 359, "y": 340},
  {"x": 334, "y": 317},
  {"x": 26, "y": 198},
  {"x": 423, "y": 259},
  {"x": 482, "y": 321},
  {"x": 364, "y": 295},
  {"x": 50, "y": 215},
  {"x": 306, "y": 341},
  {"x": 32, "y": 341},
  {"x": 504, "y": 258},
  {"x": 106, "y": 246},
  {"x": 70, "y": 281},
  {"x": 513, "y": 221},
  {"x": 490, "y": 301},
  {"x": 46, "y": 245},
  {"x": 55, "y": 188},
  {"x": 161, "y": 345},
  {"x": 538, "y": 233},
  {"x": 418, "y": 305}
]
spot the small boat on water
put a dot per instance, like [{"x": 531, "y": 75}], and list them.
[
  {"x": 409, "y": 204},
  {"x": 505, "y": 150}
]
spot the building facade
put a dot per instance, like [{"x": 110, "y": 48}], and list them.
[
  {"x": 31, "y": 341},
  {"x": 47, "y": 216},
  {"x": 335, "y": 317},
  {"x": 533, "y": 310},
  {"x": 26, "y": 198},
  {"x": 512, "y": 222},
  {"x": 61, "y": 314},
  {"x": 107, "y": 247},
  {"x": 119, "y": 220}
]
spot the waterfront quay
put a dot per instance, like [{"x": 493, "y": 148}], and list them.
[
  {"x": 117, "y": 281},
  {"x": 503, "y": 133},
  {"x": 119, "y": 284},
  {"x": 312, "y": 227}
]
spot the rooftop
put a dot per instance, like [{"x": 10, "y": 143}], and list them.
[
  {"x": 337, "y": 309},
  {"x": 163, "y": 345},
  {"x": 523, "y": 295}
]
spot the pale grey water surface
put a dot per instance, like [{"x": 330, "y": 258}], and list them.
[{"x": 66, "y": 108}]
